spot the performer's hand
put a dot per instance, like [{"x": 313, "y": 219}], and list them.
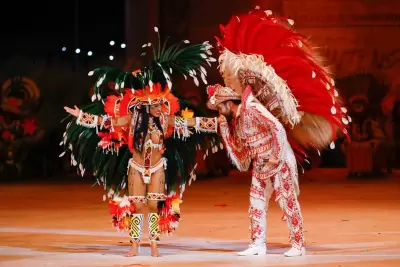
[
  {"x": 73, "y": 112},
  {"x": 262, "y": 162},
  {"x": 273, "y": 161},
  {"x": 221, "y": 119}
]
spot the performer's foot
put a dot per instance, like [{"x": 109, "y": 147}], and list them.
[
  {"x": 253, "y": 250},
  {"x": 133, "y": 252},
  {"x": 154, "y": 250},
  {"x": 295, "y": 252}
]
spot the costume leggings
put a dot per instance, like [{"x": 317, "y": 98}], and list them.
[{"x": 260, "y": 194}]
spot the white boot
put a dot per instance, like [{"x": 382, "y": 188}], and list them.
[
  {"x": 295, "y": 252},
  {"x": 253, "y": 250}
]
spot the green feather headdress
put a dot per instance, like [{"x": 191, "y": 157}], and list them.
[{"x": 184, "y": 58}]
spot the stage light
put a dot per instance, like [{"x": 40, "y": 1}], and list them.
[
  {"x": 112, "y": 43},
  {"x": 123, "y": 45},
  {"x": 77, "y": 51},
  {"x": 90, "y": 53},
  {"x": 111, "y": 57},
  {"x": 64, "y": 49}
]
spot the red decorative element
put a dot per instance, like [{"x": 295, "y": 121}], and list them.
[
  {"x": 286, "y": 186},
  {"x": 295, "y": 221},
  {"x": 111, "y": 140},
  {"x": 256, "y": 213},
  {"x": 256, "y": 230},
  {"x": 6, "y": 135},
  {"x": 14, "y": 102},
  {"x": 257, "y": 192},
  {"x": 167, "y": 215},
  {"x": 211, "y": 89},
  {"x": 30, "y": 126},
  {"x": 290, "y": 203},
  {"x": 120, "y": 215}
]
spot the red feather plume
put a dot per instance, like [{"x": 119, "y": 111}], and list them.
[{"x": 295, "y": 61}]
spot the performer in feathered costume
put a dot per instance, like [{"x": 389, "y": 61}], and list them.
[
  {"x": 142, "y": 126},
  {"x": 279, "y": 86}
]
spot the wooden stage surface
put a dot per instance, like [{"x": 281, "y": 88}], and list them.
[{"x": 347, "y": 223}]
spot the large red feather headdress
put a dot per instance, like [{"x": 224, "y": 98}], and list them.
[{"x": 286, "y": 75}]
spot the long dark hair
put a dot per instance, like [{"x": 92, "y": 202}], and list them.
[{"x": 142, "y": 127}]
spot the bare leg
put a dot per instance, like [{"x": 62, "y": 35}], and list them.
[
  {"x": 155, "y": 194},
  {"x": 137, "y": 190}
]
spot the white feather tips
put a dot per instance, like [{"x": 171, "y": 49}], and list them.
[
  {"x": 332, "y": 145},
  {"x": 328, "y": 87},
  {"x": 291, "y": 22},
  {"x": 155, "y": 29},
  {"x": 221, "y": 145},
  {"x": 313, "y": 75},
  {"x": 333, "y": 110},
  {"x": 268, "y": 12},
  {"x": 335, "y": 93}
]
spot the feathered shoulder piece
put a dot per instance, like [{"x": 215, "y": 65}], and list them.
[{"x": 286, "y": 74}]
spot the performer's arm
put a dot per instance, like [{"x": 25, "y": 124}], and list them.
[
  {"x": 236, "y": 151},
  {"x": 263, "y": 120},
  {"x": 92, "y": 121},
  {"x": 200, "y": 124}
]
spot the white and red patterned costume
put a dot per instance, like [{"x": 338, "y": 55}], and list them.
[
  {"x": 255, "y": 136},
  {"x": 289, "y": 105}
]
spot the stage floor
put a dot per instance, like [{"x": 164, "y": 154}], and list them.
[{"x": 347, "y": 223}]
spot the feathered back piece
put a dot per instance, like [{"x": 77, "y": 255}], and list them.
[{"x": 286, "y": 75}]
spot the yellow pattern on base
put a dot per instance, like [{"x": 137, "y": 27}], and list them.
[
  {"x": 154, "y": 228},
  {"x": 136, "y": 226}
]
